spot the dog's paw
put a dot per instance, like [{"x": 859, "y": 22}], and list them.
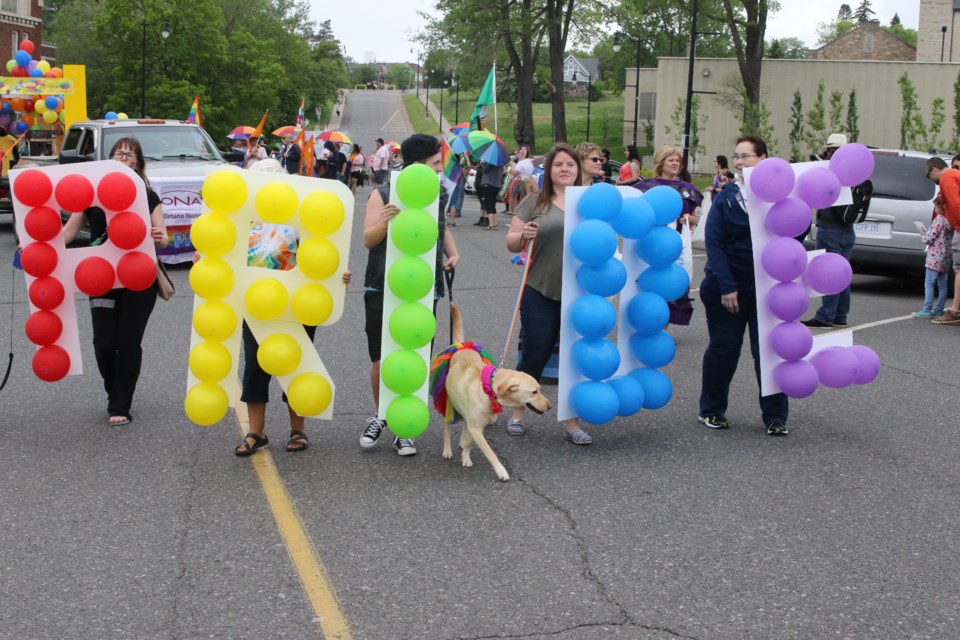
[
  {"x": 466, "y": 461},
  {"x": 504, "y": 477},
  {"x": 447, "y": 454}
]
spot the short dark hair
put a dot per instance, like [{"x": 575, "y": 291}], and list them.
[
  {"x": 380, "y": 140},
  {"x": 955, "y": 158},
  {"x": 936, "y": 162},
  {"x": 722, "y": 161},
  {"x": 759, "y": 146}
]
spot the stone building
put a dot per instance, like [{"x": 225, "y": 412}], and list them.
[
  {"x": 937, "y": 40},
  {"x": 869, "y": 41},
  {"x": 20, "y": 20}
]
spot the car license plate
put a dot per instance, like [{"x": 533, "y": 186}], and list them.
[{"x": 871, "y": 229}]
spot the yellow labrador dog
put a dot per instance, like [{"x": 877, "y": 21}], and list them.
[{"x": 478, "y": 391}]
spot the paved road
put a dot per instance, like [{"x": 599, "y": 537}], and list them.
[{"x": 662, "y": 529}]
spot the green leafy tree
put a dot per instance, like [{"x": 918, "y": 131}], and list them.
[
  {"x": 836, "y": 112},
  {"x": 828, "y": 32},
  {"x": 864, "y": 12},
  {"x": 955, "y": 142},
  {"x": 698, "y": 123},
  {"x": 747, "y": 22},
  {"x": 796, "y": 127},
  {"x": 907, "y": 35},
  {"x": 786, "y": 48},
  {"x": 938, "y": 117},
  {"x": 364, "y": 74},
  {"x": 895, "y": 20},
  {"x": 816, "y": 121},
  {"x": 400, "y": 76},
  {"x": 908, "y": 113},
  {"x": 853, "y": 117},
  {"x": 845, "y": 14}
]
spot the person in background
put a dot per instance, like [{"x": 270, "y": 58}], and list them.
[
  {"x": 630, "y": 169},
  {"x": 540, "y": 216},
  {"x": 381, "y": 163},
  {"x": 120, "y": 316},
  {"x": 491, "y": 179},
  {"x": 8, "y": 152},
  {"x": 722, "y": 167},
  {"x": 949, "y": 181},
  {"x": 591, "y": 163},
  {"x": 605, "y": 166},
  {"x": 255, "y": 152},
  {"x": 422, "y": 149},
  {"x": 291, "y": 155},
  {"x": 729, "y": 296},
  {"x": 938, "y": 262}
]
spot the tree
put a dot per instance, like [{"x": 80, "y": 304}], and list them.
[
  {"x": 747, "y": 27},
  {"x": 853, "y": 117},
  {"x": 796, "y": 127},
  {"x": 908, "y": 105},
  {"x": 864, "y": 12},
  {"x": 955, "y": 142},
  {"x": 786, "y": 48},
  {"x": 907, "y": 35},
  {"x": 697, "y": 125},
  {"x": 828, "y": 32},
  {"x": 816, "y": 120},
  {"x": 895, "y": 20},
  {"x": 845, "y": 14},
  {"x": 836, "y": 112}
]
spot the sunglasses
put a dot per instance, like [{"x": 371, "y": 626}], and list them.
[{"x": 595, "y": 159}]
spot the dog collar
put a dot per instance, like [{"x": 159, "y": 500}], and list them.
[{"x": 486, "y": 378}]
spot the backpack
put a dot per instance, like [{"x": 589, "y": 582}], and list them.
[{"x": 856, "y": 211}]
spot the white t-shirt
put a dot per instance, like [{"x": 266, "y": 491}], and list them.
[{"x": 381, "y": 160}]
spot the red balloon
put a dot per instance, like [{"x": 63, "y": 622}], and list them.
[
  {"x": 29, "y": 105},
  {"x": 43, "y": 327},
  {"x": 74, "y": 193},
  {"x": 136, "y": 271},
  {"x": 49, "y": 74},
  {"x": 42, "y": 223},
  {"x": 39, "y": 259},
  {"x": 46, "y": 293},
  {"x": 116, "y": 191},
  {"x": 33, "y": 188},
  {"x": 26, "y": 45},
  {"x": 51, "y": 363},
  {"x": 126, "y": 230},
  {"x": 94, "y": 276},
  {"x": 18, "y": 72}
]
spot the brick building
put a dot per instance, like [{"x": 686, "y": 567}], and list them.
[
  {"x": 869, "y": 41},
  {"x": 20, "y": 20},
  {"x": 936, "y": 38}
]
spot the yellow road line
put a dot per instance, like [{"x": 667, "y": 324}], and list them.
[{"x": 305, "y": 559}]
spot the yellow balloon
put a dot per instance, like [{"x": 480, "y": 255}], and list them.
[
  {"x": 213, "y": 234},
  {"x": 224, "y": 191},
  {"x": 266, "y": 298},
  {"x": 210, "y": 361},
  {"x": 206, "y": 404},
  {"x": 279, "y": 354},
  {"x": 43, "y": 65},
  {"x": 40, "y": 107},
  {"x": 321, "y": 213},
  {"x": 309, "y": 394},
  {"x": 214, "y": 320},
  {"x": 211, "y": 278},
  {"x": 318, "y": 258},
  {"x": 50, "y": 117},
  {"x": 122, "y": 116},
  {"x": 276, "y": 202},
  {"x": 312, "y": 304}
]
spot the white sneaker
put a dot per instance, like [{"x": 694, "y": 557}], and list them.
[{"x": 404, "y": 446}]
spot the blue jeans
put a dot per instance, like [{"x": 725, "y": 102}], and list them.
[
  {"x": 540, "y": 319},
  {"x": 834, "y": 308},
  {"x": 456, "y": 200},
  {"x": 723, "y": 353},
  {"x": 940, "y": 279}
]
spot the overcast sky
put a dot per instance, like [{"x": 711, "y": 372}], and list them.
[{"x": 382, "y": 30}]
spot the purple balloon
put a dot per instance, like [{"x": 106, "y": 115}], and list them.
[
  {"x": 818, "y": 187},
  {"x": 4, "y": 119},
  {"x": 797, "y": 379},
  {"x": 788, "y": 218},
  {"x": 784, "y": 259},
  {"x": 772, "y": 179},
  {"x": 836, "y": 366},
  {"x": 852, "y": 163},
  {"x": 869, "y": 363},
  {"x": 828, "y": 273},
  {"x": 788, "y": 300},
  {"x": 791, "y": 341}
]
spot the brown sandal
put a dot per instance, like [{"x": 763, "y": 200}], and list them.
[
  {"x": 297, "y": 441},
  {"x": 245, "y": 449}
]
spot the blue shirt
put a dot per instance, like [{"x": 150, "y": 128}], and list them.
[{"x": 729, "y": 245}]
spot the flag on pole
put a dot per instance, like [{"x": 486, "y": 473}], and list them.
[
  {"x": 300, "y": 115},
  {"x": 259, "y": 130},
  {"x": 487, "y": 97},
  {"x": 308, "y": 157},
  {"x": 194, "y": 116},
  {"x": 300, "y": 141}
]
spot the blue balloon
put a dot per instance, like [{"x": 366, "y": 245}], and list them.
[
  {"x": 593, "y": 316},
  {"x": 22, "y": 58},
  {"x": 4, "y": 107},
  {"x": 596, "y": 358},
  {"x": 21, "y": 127},
  {"x": 657, "y": 388},
  {"x": 36, "y": 73},
  {"x": 666, "y": 202},
  {"x": 654, "y": 350},
  {"x": 600, "y": 202},
  {"x": 660, "y": 247},
  {"x": 648, "y": 312},
  {"x": 669, "y": 282},
  {"x": 635, "y": 220},
  {"x": 605, "y": 280},
  {"x": 594, "y": 402},
  {"x": 111, "y": 115},
  {"x": 593, "y": 242},
  {"x": 51, "y": 102},
  {"x": 629, "y": 392}
]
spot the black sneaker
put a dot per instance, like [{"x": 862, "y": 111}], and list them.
[
  {"x": 714, "y": 422},
  {"x": 482, "y": 222},
  {"x": 404, "y": 446},
  {"x": 839, "y": 324},
  {"x": 777, "y": 428},
  {"x": 813, "y": 323},
  {"x": 372, "y": 432}
]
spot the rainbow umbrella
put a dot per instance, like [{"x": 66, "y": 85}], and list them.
[
  {"x": 335, "y": 137},
  {"x": 459, "y": 143},
  {"x": 288, "y": 130},
  {"x": 241, "y": 133},
  {"x": 394, "y": 146},
  {"x": 489, "y": 148},
  {"x": 462, "y": 127},
  {"x": 450, "y": 162},
  {"x": 478, "y": 139}
]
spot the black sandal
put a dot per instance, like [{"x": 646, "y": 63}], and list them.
[
  {"x": 244, "y": 448},
  {"x": 297, "y": 441}
]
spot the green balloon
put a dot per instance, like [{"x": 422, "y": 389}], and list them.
[
  {"x": 414, "y": 231},
  {"x": 417, "y": 186},
  {"x": 412, "y": 325},
  {"x": 403, "y": 371},
  {"x": 408, "y": 416},
  {"x": 410, "y": 278}
]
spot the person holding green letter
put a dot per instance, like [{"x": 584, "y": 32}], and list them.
[{"x": 417, "y": 149}]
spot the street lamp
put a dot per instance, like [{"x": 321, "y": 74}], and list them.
[
  {"x": 636, "y": 85},
  {"x": 442, "y": 89},
  {"x": 165, "y": 32},
  {"x": 943, "y": 40},
  {"x": 456, "y": 116},
  {"x": 589, "y": 86}
]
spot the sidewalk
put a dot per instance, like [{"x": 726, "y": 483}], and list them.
[{"x": 435, "y": 112}]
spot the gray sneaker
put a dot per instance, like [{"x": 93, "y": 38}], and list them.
[
  {"x": 515, "y": 427},
  {"x": 404, "y": 446},
  {"x": 577, "y": 437},
  {"x": 372, "y": 432}
]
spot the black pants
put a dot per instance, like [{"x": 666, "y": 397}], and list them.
[
  {"x": 119, "y": 322},
  {"x": 256, "y": 381}
]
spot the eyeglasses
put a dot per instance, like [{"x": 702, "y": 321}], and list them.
[
  {"x": 743, "y": 156},
  {"x": 595, "y": 159},
  {"x": 124, "y": 155}
]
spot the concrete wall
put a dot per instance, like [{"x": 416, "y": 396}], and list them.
[
  {"x": 878, "y": 98},
  {"x": 934, "y": 15}
]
